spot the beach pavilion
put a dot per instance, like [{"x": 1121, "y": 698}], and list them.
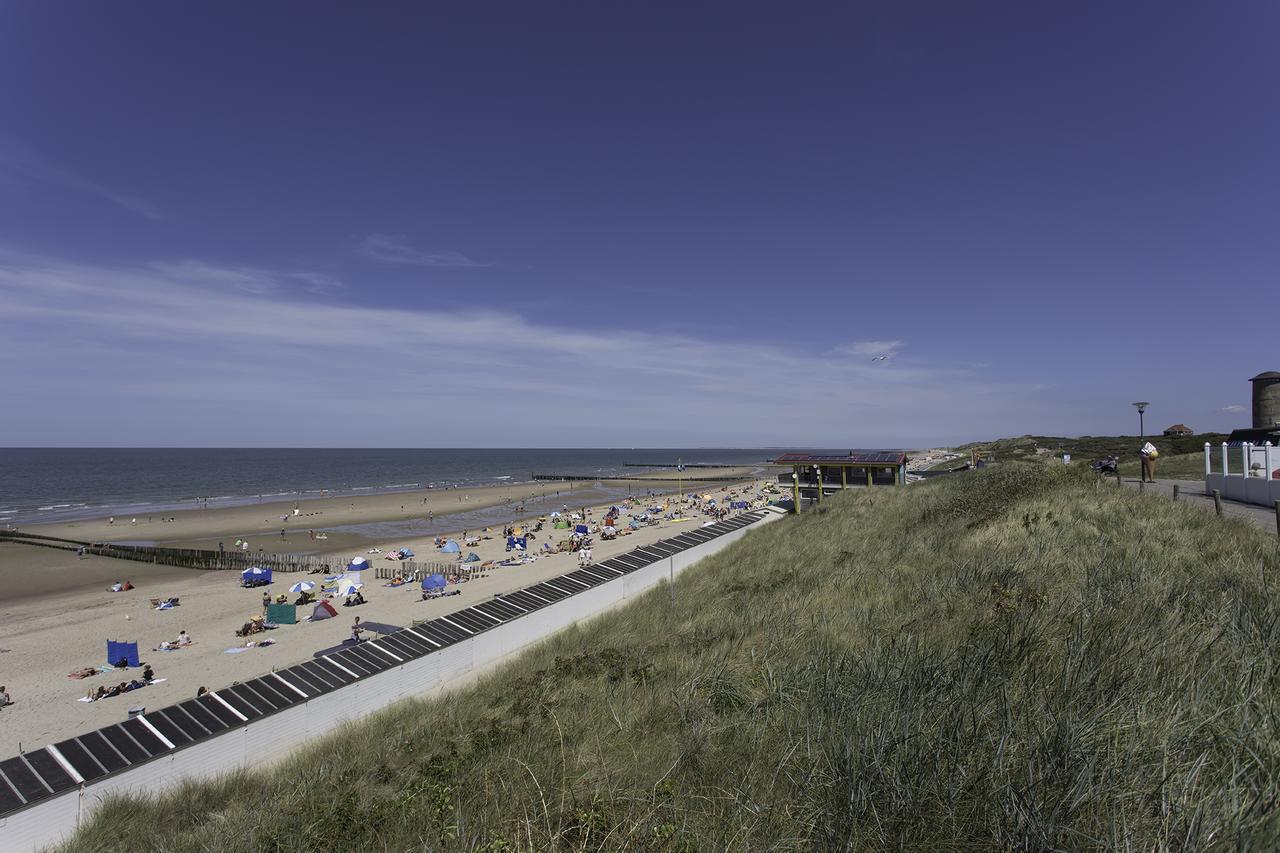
[{"x": 814, "y": 475}]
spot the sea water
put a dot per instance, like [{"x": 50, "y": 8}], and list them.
[{"x": 57, "y": 484}]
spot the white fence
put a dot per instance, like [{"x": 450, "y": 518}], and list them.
[
  {"x": 275, "y": 736},
  {"x": 1254, "y": 478}
]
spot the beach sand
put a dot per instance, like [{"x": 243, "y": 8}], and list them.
[{"x": 56, "y": 614}]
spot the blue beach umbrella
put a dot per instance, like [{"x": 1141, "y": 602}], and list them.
[{"x": 302, "y": 586}]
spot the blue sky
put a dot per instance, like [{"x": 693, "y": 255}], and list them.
[{"x": 514, "y": 224}]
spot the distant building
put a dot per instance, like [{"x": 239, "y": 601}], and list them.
[
  {"x": 812, "y": 475},
  {"x": 1179, "y": 429}
]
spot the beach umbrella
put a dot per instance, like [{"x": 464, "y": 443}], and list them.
[
  {"x": 346, "y": 586},
  {"x": 434, "y": 582},
  {"x": 302, "y": 586}
]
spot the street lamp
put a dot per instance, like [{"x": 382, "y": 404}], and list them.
[
  {"x": 817, "y": 476},
  {"x": 1141, "y": 407},
  {"x": 795, "y": 490}
]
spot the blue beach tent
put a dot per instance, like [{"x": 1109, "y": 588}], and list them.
[
  {"x": 581, "y": 528},
  {"x": 434, "y": 582},
  {"x": 450, "y": 547},
  {"x": 256, "y": 573},
  {"x": 118, "y": 651}
]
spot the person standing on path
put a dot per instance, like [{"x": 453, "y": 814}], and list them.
[{"x": 1149, "y": 456}]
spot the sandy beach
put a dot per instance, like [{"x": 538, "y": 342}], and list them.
[{"x": 57, "y": 613}]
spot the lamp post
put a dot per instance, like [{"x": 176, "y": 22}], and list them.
[
  {"x": 1141, "y": 407},
  {"x": 1142, "y": 438},
  {"x": 795, "y": 490},
  {"x": 817, "y": 476}
]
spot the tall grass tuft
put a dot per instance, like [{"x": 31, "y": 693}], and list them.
[{"x": 1013, "y": 659}]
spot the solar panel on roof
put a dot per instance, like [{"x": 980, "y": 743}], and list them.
[
  {"x": 102, "y": 751},
  {"x": 236, "y": 698},
  {"x": 49, "y": 770},
  {"x": 201, "y": 715},
  {"x": 81, "y": 759},
  {"x": 9, "y": 798},
  {"x": 523, "y": 599},
  {"x": 312, "y": 678},
  {"x": 268, "y": 693},
  {"x": 23, "y": 779},
  {"x": 340, "y": 670},
  {"x": 500, "y": 609},
  {"x": 547, "y": 592},
  {"x": 403, "y": 647},
  {"x": 447, "y": 630},
  {"x": 472, "y": 621},
  {"x": 168, "y": 727},
  {"x": 359, "y": 660},
  {"x": 124, "y": 744}
]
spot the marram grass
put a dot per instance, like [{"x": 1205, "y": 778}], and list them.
[{"x": 1020, "y": 658}]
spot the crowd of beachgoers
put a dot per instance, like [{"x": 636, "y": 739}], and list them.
[{"x": 195, "y": 630}]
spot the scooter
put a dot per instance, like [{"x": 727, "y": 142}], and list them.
[{"x": 1107, "y": 465}]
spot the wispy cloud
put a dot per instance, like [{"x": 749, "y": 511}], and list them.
[
  {"x": 1233, "y": 409},
  {"x": 870, "y": 348},
  {"x": 156, "y": 351},
  {"x": 247, "y": 279},
  {"x": 20, "y": 163},
  {"x": 393, "y": 249}
]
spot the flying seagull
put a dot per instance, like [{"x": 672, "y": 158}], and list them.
[{"x": 880, "y": 358}]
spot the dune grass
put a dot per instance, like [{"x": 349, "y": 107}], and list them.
[{"x": 1015, "y": 659}]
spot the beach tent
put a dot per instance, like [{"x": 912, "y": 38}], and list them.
[
  {"x": 405, "y": 553},
  {"x": 256, "y": 573},
  {"x": 434, "y": 582},
  {"x": 581, "y": 528},
  {"x": 561, "y": 525},
  {"x": 472, "y": 557},
  {"x": 118, "y": 650},
  {"x": 322, "y": 610},
  {"x": 347, "y": 586},
  {"x": 450, "y": 547},
  {"x": 282, "y": 614},
  {"x": 519, "y": 542},
  {"x": 357, "y": 564}
]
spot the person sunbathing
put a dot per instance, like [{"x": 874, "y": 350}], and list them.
[{"x": 87, "y": 672}]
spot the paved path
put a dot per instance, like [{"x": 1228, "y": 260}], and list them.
[{"x": 1192, "y": 491}]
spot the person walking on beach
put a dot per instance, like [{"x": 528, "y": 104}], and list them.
[{"x": 1149, "y": 454}]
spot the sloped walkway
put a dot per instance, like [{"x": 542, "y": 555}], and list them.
[{"x": 1192, "y": 491}]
